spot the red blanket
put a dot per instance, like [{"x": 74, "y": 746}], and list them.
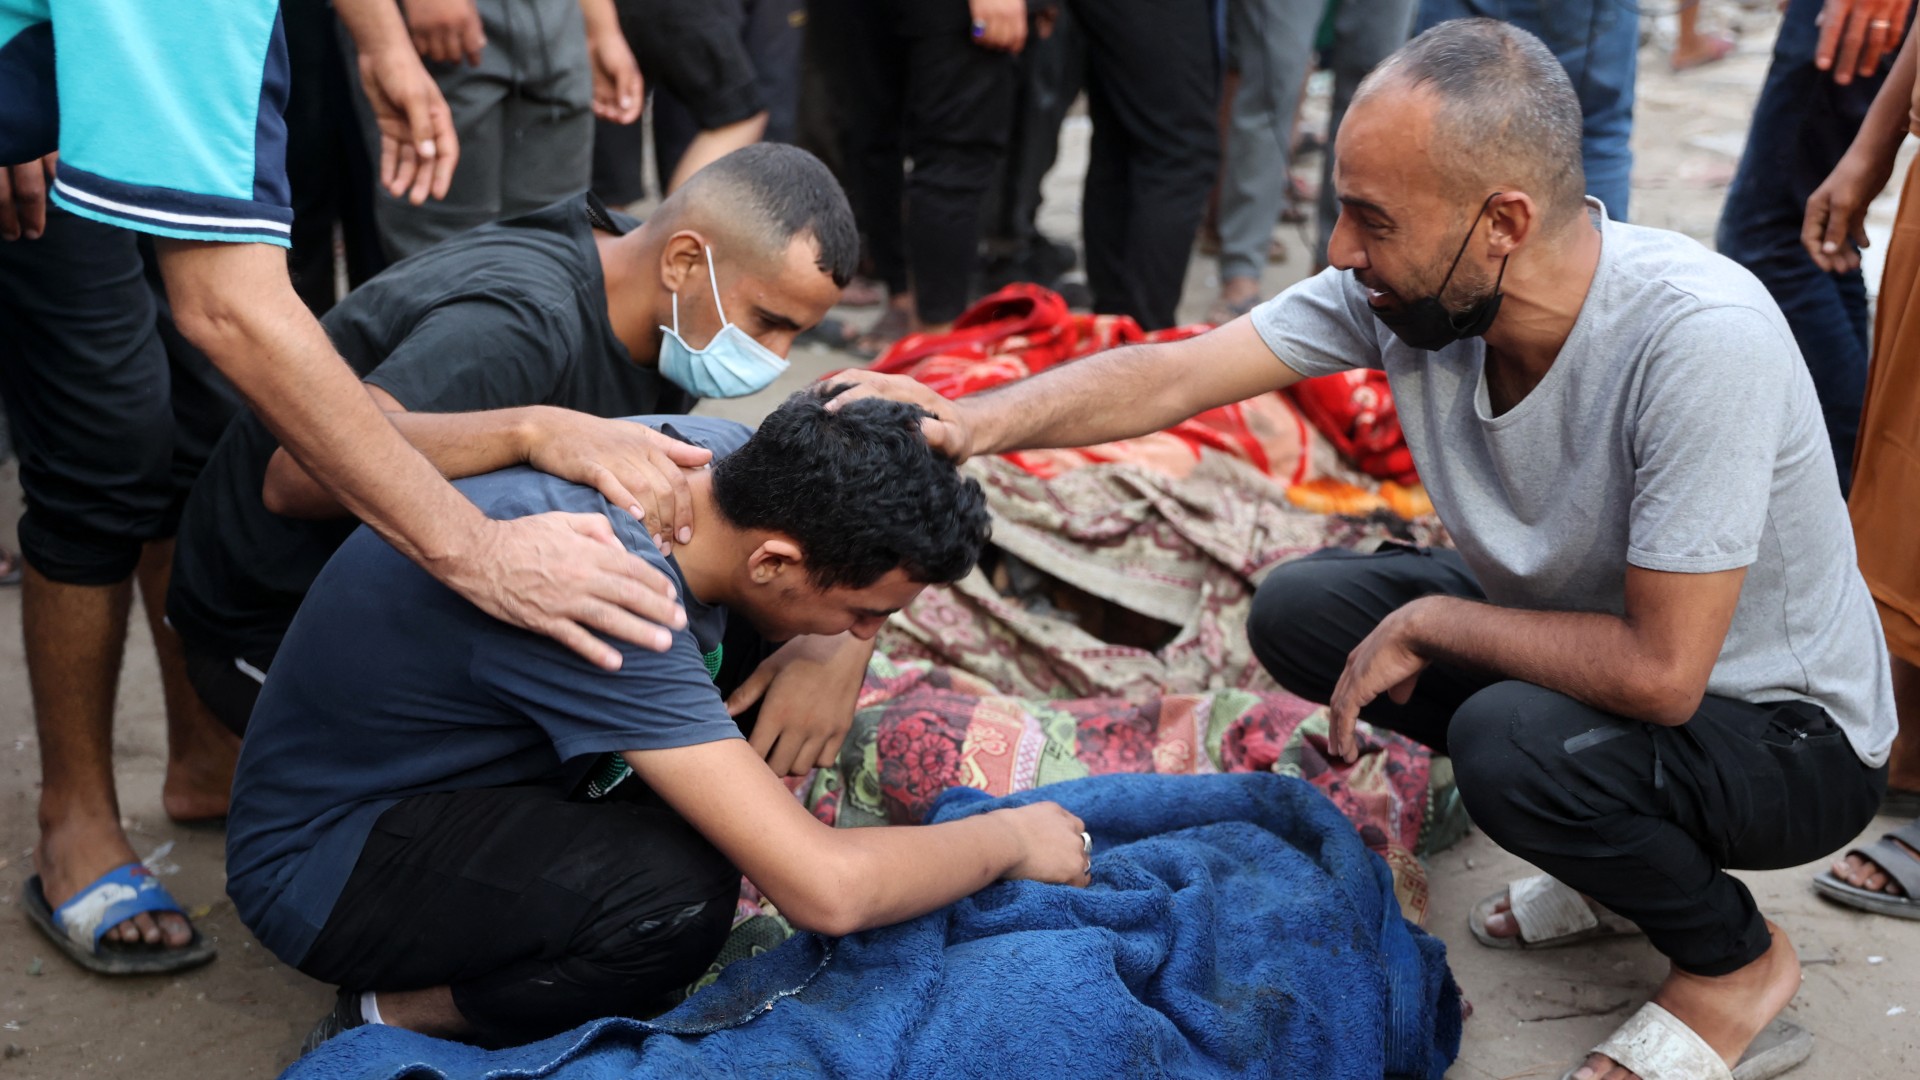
[{"x": 1024, "y": 329}]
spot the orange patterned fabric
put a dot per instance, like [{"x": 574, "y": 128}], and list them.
[{"x": 1886, "y": 461}]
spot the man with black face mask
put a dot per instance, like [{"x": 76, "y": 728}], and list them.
[
  {"x": 1429, "y": 323},
  {"x": 1651, "y": 656}
]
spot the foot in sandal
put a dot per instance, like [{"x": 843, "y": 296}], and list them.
[
  {"x": 1882, "y": 877},
  {"x": 1727, "y": 1012},
  {"x": 1549, "y": 914}
]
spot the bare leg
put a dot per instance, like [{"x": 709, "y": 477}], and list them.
[
  {"x": 1238, "y": 295},
  {"x": 896, "y": 321},
  {"x": 710, "y": 146},
  {"x": 1693, "y": 48},
  {"x": 200, "y": 750},
  {"x": 75, "y": 638},
  {"x": 429, "y": 1012}
]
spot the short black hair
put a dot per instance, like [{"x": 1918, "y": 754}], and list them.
[
  {"x": 859, "y": 490},
  {"x": 1506, "y": 107},
  {"x": 772, "y": 193}
]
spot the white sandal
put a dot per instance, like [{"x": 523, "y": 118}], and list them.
[
  {"x": 1549, "y": 915},
  {"x": 1655, "y": 1045}
]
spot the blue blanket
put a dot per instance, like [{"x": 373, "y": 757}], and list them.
[{"x": 1236, "y": 927}]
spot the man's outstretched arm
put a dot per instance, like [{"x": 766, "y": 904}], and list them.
[
  {"x": 1119, "y": 394},
  {"x": 635, "y": 467},
  {"x": 563, "y": 575}
]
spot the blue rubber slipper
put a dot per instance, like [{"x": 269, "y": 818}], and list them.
[{"x": 78, "y": 926}]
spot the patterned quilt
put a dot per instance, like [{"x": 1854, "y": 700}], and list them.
[{"x": 979, "y": 687}]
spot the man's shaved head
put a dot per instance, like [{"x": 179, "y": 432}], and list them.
[
  {"x": 756, "y": 201},
  {"x": 1505, "y": 111}
]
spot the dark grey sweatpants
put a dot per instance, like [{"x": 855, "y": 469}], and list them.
[{"x": 1643, "y": 818}]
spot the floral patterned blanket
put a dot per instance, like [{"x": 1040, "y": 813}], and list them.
[
  {"x": 980, "y": 687},
  {"x": 920, "y": 730}
]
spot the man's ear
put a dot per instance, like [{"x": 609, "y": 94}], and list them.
[
  {"x": 776, "y": 556},
  {"x": 679, "y": 258},
  {"x": 1513, "y": 215}
]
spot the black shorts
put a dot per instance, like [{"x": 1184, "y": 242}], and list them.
[
  {"x": 228, "y": 686},
  {"x": 696, "y": 49},
  {"x": 112, "y": 418}
]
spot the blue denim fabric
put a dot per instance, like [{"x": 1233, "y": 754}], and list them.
[
  {"x": 1802, "y": 125},
  {"x": 1598, "y": 42}
]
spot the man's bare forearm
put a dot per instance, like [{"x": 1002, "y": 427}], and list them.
[
  {"x": 234, "y": 301},
  {"x": 456, "y": 444},
  {"x": 1126, "y": 392},
  {"x": 1594, "y": 658},
  {"x": 834, "y": 881},
  {"x": 898, "y": 874}
]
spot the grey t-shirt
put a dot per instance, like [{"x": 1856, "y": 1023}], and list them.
[{"x": 1677, "y": 431}]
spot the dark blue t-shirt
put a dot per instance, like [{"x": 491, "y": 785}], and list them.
[{"x": 389, "y": 684}]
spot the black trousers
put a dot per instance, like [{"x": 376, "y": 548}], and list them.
[
  {"x": 912, "y": 85},
  {"x": 539, "y": 912},
  {"x": 1153, "y": 89},
  {"x": 1644, "y": 818}
]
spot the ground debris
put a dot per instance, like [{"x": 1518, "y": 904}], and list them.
[{"x": 1569, "y": 1001}]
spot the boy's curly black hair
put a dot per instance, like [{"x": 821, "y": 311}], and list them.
[{"x": 858, "y": 489}]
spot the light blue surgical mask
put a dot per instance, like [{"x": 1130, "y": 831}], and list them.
[{"x": 732, "y": 364}]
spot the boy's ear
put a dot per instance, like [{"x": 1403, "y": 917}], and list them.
[{"x": 775, "y": 556}]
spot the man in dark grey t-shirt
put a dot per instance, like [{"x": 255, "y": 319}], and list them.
[
  {"x": 1651, "y": 657},
  {"x": 511, "y": 343}
]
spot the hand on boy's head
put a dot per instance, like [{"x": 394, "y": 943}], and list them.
[
  {"x": 1053, "y": 845},
  {"x": 945, "y": 430},
  {"x": 635, "y": 467}
]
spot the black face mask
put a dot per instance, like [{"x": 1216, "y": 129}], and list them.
[{"x": 1427, "y": 324}]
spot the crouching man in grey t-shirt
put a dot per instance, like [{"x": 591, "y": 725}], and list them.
[{"x": 1651, "y": 657}]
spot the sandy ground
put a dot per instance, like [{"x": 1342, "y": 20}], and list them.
[{"x": 244, "y": 1015}]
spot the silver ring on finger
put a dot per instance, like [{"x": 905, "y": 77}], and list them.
[
  {"x": 1086, "y": 846},
  {"x": 1879, "y": 24}
]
